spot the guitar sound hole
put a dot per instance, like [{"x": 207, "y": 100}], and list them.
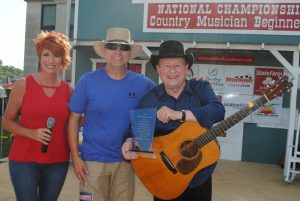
[{"x": 188, "y": 149}]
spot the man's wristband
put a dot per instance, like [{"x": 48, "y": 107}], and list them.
[{"x": 183, "y": 116}]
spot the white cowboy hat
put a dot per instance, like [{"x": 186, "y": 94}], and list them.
[{"x": 120, "y": 36}]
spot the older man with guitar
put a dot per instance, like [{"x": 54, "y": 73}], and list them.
[
  {"x": 177, "y": 101},
  {"x": 185, "y": 150}
]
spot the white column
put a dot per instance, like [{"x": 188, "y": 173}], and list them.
[{"x": 62, "y": 25}]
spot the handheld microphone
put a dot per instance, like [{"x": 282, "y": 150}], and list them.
[{"x": 50, "y": 124}]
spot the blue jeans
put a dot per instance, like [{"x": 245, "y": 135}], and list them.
[{"x": 37, "y": 182}]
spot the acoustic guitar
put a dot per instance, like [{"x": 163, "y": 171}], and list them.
[{"x": 179, "y": 155}]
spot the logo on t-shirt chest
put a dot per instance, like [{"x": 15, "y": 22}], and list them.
[{"x": 131, "y": 94}]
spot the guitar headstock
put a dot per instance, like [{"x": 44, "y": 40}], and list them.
[{"x": 279, "y": 88}]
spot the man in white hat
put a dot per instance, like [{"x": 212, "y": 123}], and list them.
[
  {"x": 105, "y": 97},
  {"x": 178, "y": 100}
]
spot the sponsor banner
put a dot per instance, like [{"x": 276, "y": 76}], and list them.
[
  {"x": 236, "y": 86},
  {"x": 230, "y": 79},
  {"x": 239, "y": 80},
  {"x": 232, "y": 59},
  {"x": 237, "y": 17},
  {"x": 234, "y": 103},
  {"x": 265, "y": 77},
  {"x": 270, "y": 113},
  {"x": 231, "y": 145},
  {"x": 215, "y": 76}
]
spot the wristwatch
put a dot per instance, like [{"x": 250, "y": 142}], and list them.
[{"x": 183, "y": 116}]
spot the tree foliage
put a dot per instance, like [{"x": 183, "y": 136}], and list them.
[{"x": 9, "y": 71}]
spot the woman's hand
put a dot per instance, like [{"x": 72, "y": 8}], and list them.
[{"x": 42, "y": 135}]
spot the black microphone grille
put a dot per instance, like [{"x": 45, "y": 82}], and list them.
[{"x": 50, "y": 122}]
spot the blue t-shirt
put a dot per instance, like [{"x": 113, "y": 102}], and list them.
[{"x": 105, "y": 103}]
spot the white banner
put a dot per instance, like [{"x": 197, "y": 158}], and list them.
[{"x": 236, "y": 17}]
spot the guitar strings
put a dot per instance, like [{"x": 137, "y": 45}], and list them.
[{"x": 214, "y": 132}]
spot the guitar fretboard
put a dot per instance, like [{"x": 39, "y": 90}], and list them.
[{"x": 227, "y": 123}]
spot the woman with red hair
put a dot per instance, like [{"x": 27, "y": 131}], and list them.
[{"x": 37, "y": 114}]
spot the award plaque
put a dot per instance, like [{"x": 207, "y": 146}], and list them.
[{"x": 142, "y": 125}]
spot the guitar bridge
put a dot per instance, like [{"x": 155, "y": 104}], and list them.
[{"x": 167, "y": 162}]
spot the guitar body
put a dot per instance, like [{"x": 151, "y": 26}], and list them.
[{"x": 176, "y": 161}]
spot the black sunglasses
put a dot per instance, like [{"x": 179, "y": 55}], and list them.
[{"x": 114, "y": 46}]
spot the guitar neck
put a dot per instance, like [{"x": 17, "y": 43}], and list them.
[{"x": 227, "y": 123}]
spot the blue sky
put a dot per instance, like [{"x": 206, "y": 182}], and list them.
[{"x": 12, "y": 32}]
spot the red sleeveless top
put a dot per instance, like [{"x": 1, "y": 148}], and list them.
[{"x": 36, "y": 108}]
